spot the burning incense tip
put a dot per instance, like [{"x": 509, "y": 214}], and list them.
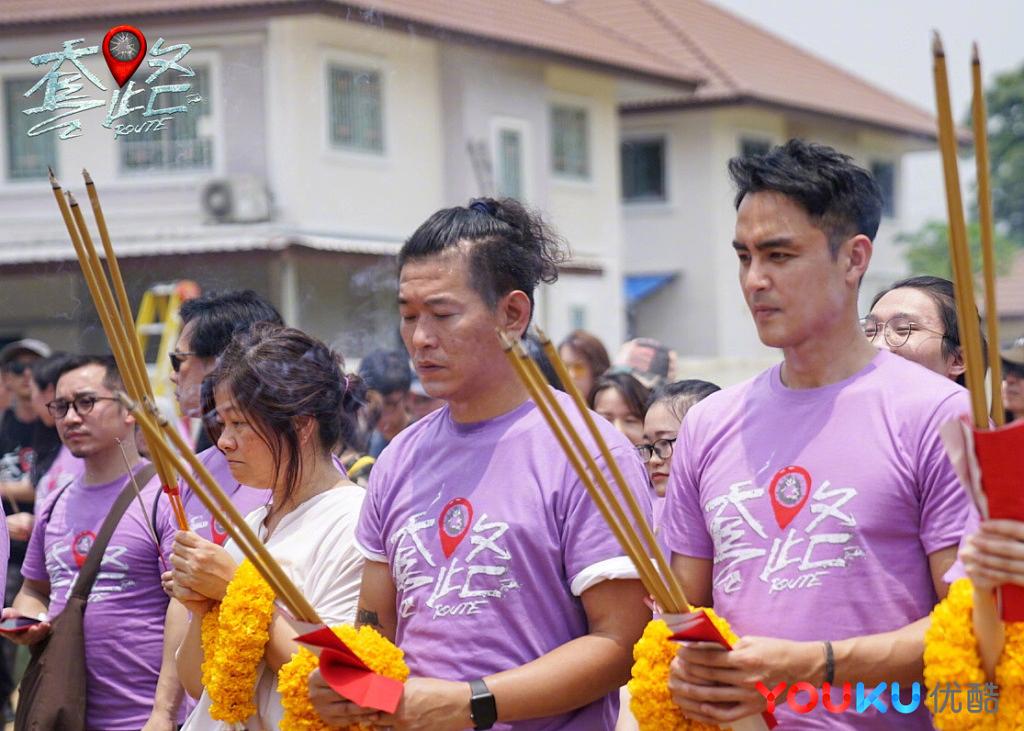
[
  {"x": 71, "y": 199},
  {"x": 975, "y": 58},
  {"x": 53, "y": 178},
  {"x": 541, "y": 335},
  {"x": 937, "y": 44},
  {"x": 88, "y": 178},
  {"x": 506, "y": 341}
]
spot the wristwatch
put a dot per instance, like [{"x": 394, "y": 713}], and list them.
[{"x": 482, "y": 708}]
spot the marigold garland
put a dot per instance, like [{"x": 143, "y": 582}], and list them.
[
  {"x": 370, "y": 646},
  {"x": 951, "y": 656},
  {"x": 651, "y": 702},
  {"x": 234, "y": 638}
]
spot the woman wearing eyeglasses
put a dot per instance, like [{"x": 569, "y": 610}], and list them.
[
  {"x": 665, "y": 411},
  {"x": 916, "y": 318}
]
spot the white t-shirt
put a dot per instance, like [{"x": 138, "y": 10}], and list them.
[{"x": 315, "y": 545}]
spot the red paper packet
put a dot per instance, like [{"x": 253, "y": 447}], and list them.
[
  {"x": 349, "y": 676},
  {"x": 698, "y": 627}
]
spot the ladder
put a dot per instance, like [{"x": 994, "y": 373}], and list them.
[{"x": 158, "y": 316}]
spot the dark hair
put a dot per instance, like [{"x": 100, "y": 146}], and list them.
[
  {"x": 278, "y": 375},
  {"x": 532, "y": 344},
  {"x": 634, "y": 393},
  {"x": 46, "y": 371},
  {"x": 217, "y": 316},
  {"x": 679, "y": 396},
  {"x": 386, "y": 371},
  {"x": 590, "y": 349},
  {"x": 941, "y": 292},
  {"x": 111, "y": 376},
  {"x": 841, "y": 198},
  {"x": 509, "y": 247}
]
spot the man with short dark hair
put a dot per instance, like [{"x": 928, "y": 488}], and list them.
[
  {"x": 388, "y": 377},
  {"x": 813, "y": 506},
  {"x": 488, "y": 562},
  {"x": 132, "y": 681}
]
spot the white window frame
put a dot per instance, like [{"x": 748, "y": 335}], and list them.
[
  {"x": 498, "y": 124},
  {"x": 334, "y": 56},
  {"x": 213, "y": 125},
  {"x": 561, "y": 99}
]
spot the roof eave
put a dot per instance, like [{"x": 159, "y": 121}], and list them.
[
  {"x": 914, "y": 133},
  {"x": 681, "y": 80}
]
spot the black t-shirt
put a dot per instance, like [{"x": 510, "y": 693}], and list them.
[{"x": 18, "y": 441}]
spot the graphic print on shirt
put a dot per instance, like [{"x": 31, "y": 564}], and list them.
[
  {"x": 788, "y": 558},
  {"x": 113, "y": 577},
  {"x": 17, "y": 465},
  {"x": 462, "y": 577}
]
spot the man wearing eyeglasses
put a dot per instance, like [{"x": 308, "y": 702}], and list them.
[
  {"x": 131, "y": 682},
  {"x": 813, "y": 506}
]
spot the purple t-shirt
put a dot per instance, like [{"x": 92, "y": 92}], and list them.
[
  {"x": 491, "y": 539},
  {"x": 65, "y": 468},
  {"x": 819, "y": 507},
  {"x": 245, "y": 499},
  {"x": 124, "y": 619}
]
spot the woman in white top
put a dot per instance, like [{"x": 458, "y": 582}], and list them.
[{"x": 279, "y": 404}]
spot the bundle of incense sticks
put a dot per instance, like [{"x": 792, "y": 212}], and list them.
[
  {"x": 960, "y": 255},
  {"x": 656, "y": 575},
  {"x": 170, "y": 453}
]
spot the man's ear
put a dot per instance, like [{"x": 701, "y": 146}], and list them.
[
  {"x": 857, "y": 256},
  {"x": 514, "y": 311}
]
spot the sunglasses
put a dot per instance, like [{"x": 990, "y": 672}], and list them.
[
  {"x": 16, "y": 368},
  {"x": 177, "y": 358}
]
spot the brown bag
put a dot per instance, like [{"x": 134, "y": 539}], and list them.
[{"x": 52, "y": 693}]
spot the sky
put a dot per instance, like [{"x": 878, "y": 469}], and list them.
[{"x": 888, "y": 42}]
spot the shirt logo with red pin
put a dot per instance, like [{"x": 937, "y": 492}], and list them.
[
  {"x": 124, "y": 47},
  {"x": 454, "y": 524},
  {"x": 790, "y": 489},
  {"x": 80, "y": 546},
  {"x": 218, "y": 534}
]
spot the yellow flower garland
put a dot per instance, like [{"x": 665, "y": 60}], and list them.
[
  {"x": 951, "y": 656},
  {"x": 651, "y": 702},
  {"x": 370, "y": 646},
  {"x": 234, "y": 637}
]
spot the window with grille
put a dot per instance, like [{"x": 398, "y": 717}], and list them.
[
  {"x": 570, "y": 153},
  {"x": 356, "y": 109},
  {"x": 180, "y": 145},
  {"x": 27, "y": 157},
  {"x": 643, "y": 170}
]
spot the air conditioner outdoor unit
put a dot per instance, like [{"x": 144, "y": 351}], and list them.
[{"x": 239, "y": 199}]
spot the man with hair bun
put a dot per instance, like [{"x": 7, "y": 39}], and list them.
[
  {"x": 813, "y": 506},
  {"x": 487, "y": 561}
]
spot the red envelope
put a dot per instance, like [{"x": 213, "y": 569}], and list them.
[
  {"x": 1001, "y": 458},
  {"x": 698, "y": 627},
  {"x": 349, "y": 676}
]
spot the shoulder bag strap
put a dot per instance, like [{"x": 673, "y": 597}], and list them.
[{"x": 91, "y": 568}]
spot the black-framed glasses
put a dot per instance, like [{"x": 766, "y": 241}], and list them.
[
  {"x": 662, "y": 448},
  {"x": 896, "y": 330},
  {"x": 83, "y": 404},
  {"x": 177, "y": 358}
]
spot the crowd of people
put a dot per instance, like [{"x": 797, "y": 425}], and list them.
[{"x": 812, "y": 505}]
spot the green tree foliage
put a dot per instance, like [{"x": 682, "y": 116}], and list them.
[
  {"x": 928, "y": 249},
  {"x": 1005, "y": 100}
]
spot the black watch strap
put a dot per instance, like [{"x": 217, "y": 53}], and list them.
[{"x": 482, "y": 708}]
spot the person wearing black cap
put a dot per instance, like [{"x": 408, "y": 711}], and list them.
[{"x": 18, "y": 432}]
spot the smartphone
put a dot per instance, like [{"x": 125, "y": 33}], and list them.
[{"x": 18, "y": 624}]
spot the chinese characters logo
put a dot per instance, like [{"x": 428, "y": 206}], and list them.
[{"x": 67, "y": 80}]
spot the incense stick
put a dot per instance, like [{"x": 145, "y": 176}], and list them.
[
  {"x": 959, "y": 253},
  {"x": 603, "y": 497},
  {"x": 142, "y": 505},
  {"x": 981, "y": 161}
]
